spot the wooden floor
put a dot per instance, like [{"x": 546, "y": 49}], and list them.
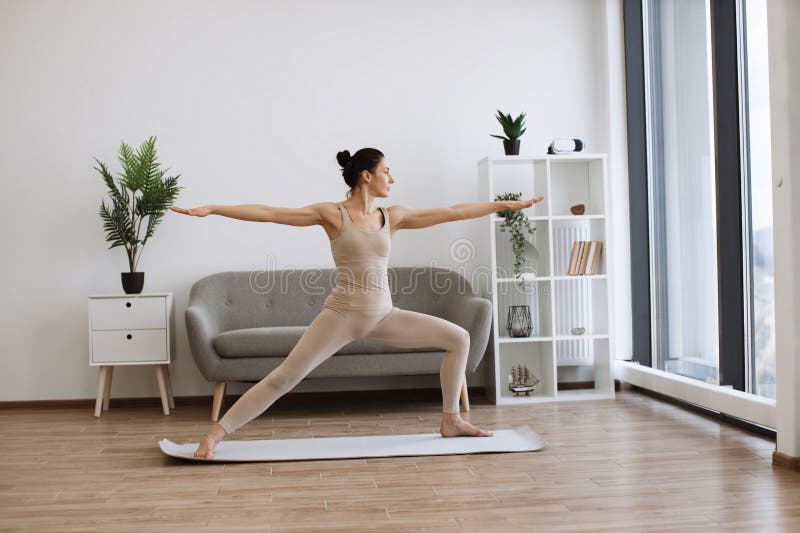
[{"x": 634, "y": 463}]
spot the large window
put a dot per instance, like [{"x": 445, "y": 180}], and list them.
[
  {"x": 681, "y": 186},
  {"x": 758, "y": 218},
  {"x": 700, "y": 190}
]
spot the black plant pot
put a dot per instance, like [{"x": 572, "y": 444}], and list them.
[
  {"x": 132, "y": 282},
  {"x": 512, "y": 146}
]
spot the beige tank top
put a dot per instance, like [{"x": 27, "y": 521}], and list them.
[{"x": 362, "y": 260}]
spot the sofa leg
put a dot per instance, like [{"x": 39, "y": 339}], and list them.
[
  {"x": 219, "y": 396},
  {"x": 464, "y": 395}
]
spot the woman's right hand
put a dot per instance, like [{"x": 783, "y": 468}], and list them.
[{"x": 193, "y": 211}]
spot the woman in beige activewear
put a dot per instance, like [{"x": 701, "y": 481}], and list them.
[{"x": 360, "y": 306}]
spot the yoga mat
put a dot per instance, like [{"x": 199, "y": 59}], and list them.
[{"x": 520, "y": 439}]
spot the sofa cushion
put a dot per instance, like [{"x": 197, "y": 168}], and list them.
[{"x": 278, "y": 341}]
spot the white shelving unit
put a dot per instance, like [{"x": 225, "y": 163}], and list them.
[{"x": 558, "y": 301}]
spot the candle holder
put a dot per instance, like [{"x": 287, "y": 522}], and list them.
[{"x": 518, "y": 321}]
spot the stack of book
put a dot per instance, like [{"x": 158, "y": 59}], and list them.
[{"x": 585, "y": 257}]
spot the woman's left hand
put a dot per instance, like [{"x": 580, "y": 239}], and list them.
[{"x": 516, "y": 205}]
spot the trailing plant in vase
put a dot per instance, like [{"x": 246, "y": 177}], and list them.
[
  {"x": 123, "y": 222},
  {"x": 513, "y": 128},
  {"x": 517, "y": 223}
]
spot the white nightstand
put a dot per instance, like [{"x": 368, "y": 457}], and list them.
[{"x": 131, "y": 329}]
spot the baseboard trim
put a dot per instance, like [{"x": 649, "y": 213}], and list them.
[
  {"x": 756, "y": 409},
  {"x": 573, "y": 385},
  {"x": 785, "y": 461},
  {"x": 710, "y": 413},
  {"x": 292, "y": 398},
  {"x": 90, "y": 402}
]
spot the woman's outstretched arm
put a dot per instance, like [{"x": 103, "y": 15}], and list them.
[
  {"x": 292, "y": 216},
  {"x": 404, "y": 217}
]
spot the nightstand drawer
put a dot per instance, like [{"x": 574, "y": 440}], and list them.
[
  {"x": 143, "y": 345},
  {"x": 128, "y": 313}
]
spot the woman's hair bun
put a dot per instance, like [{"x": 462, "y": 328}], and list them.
[
  {"x": 368, "y": 159},
  {"x": 343, "y": 157}
]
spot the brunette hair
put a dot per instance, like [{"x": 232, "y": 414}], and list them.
[{"x": 364, "y": 159}]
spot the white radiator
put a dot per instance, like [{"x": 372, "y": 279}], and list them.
[{"x": 572, "y": 297}]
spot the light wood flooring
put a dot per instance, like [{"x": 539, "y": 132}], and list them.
[{"x": 631, "y": 464}]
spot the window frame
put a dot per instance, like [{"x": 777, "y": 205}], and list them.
[{"x": 729, "y": 187}]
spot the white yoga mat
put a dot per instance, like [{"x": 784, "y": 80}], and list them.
[{"x": 519, "y": 439}]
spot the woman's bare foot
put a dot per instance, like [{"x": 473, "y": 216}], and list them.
[
  {"x": 206, "y": 448},
  {"x": 453, "y": 426}
]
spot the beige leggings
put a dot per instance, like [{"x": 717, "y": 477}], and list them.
[{"x": 332, "y": 329}]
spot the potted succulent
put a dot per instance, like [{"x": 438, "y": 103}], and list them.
[
  {"x": 517, "y": 223},
  {"x": 513, "y": 128},
  {"x": 140, "y": 174}
]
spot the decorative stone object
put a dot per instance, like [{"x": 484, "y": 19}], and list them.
[{"x": 578, "y": 209}]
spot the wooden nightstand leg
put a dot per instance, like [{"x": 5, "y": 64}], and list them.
[
  {"x": 101, "y": 387},
  {"x": 464, "y": 395},
  {"x": 107, "y": 393},
  {"x": 169, "y": 387},
  {"x": 162, "y": 388},
  {"x": 219, "y": 398}
]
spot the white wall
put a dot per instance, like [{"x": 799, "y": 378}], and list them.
[{"x": 250, "y": 102}]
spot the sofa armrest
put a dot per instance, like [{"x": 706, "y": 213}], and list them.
[
  {"x": 201, "y": 328},
  {"x": 474, "y": 314}
]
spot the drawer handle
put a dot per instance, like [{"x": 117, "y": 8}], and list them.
[
  {"x": 129, "y": 336},
  {"x": 127, "y": 304}
]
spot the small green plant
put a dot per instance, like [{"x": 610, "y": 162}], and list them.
[
  {"x": 517, "y": 222},
  {"x": 512, "y": 127},
  {"x": 140, "y": 174}
]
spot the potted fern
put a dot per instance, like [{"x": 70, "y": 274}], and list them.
[
  {"x": 513, "y": 128},
  {"x": 123, "y": 222}
]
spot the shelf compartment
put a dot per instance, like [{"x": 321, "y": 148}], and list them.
[
  {"x": 538, "y": 357},
  {"x": 584, "y": 360},
  {"x": 580, "y": 303},
  {"x": 577, "y": 182},
  {"x": 530, "y": 180},
  {"x": 538, "y": 252},
  {"x": 568, "y": 231},
  {"x": 596, "y": 367},
  {"x": 576, "y": 352},
  {"x": 537, "y": 295}
]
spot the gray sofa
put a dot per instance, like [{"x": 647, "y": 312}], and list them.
[{"x": 241, "y": 325}]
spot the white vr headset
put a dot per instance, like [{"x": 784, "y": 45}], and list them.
[{"x": 565, "y": 145}]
